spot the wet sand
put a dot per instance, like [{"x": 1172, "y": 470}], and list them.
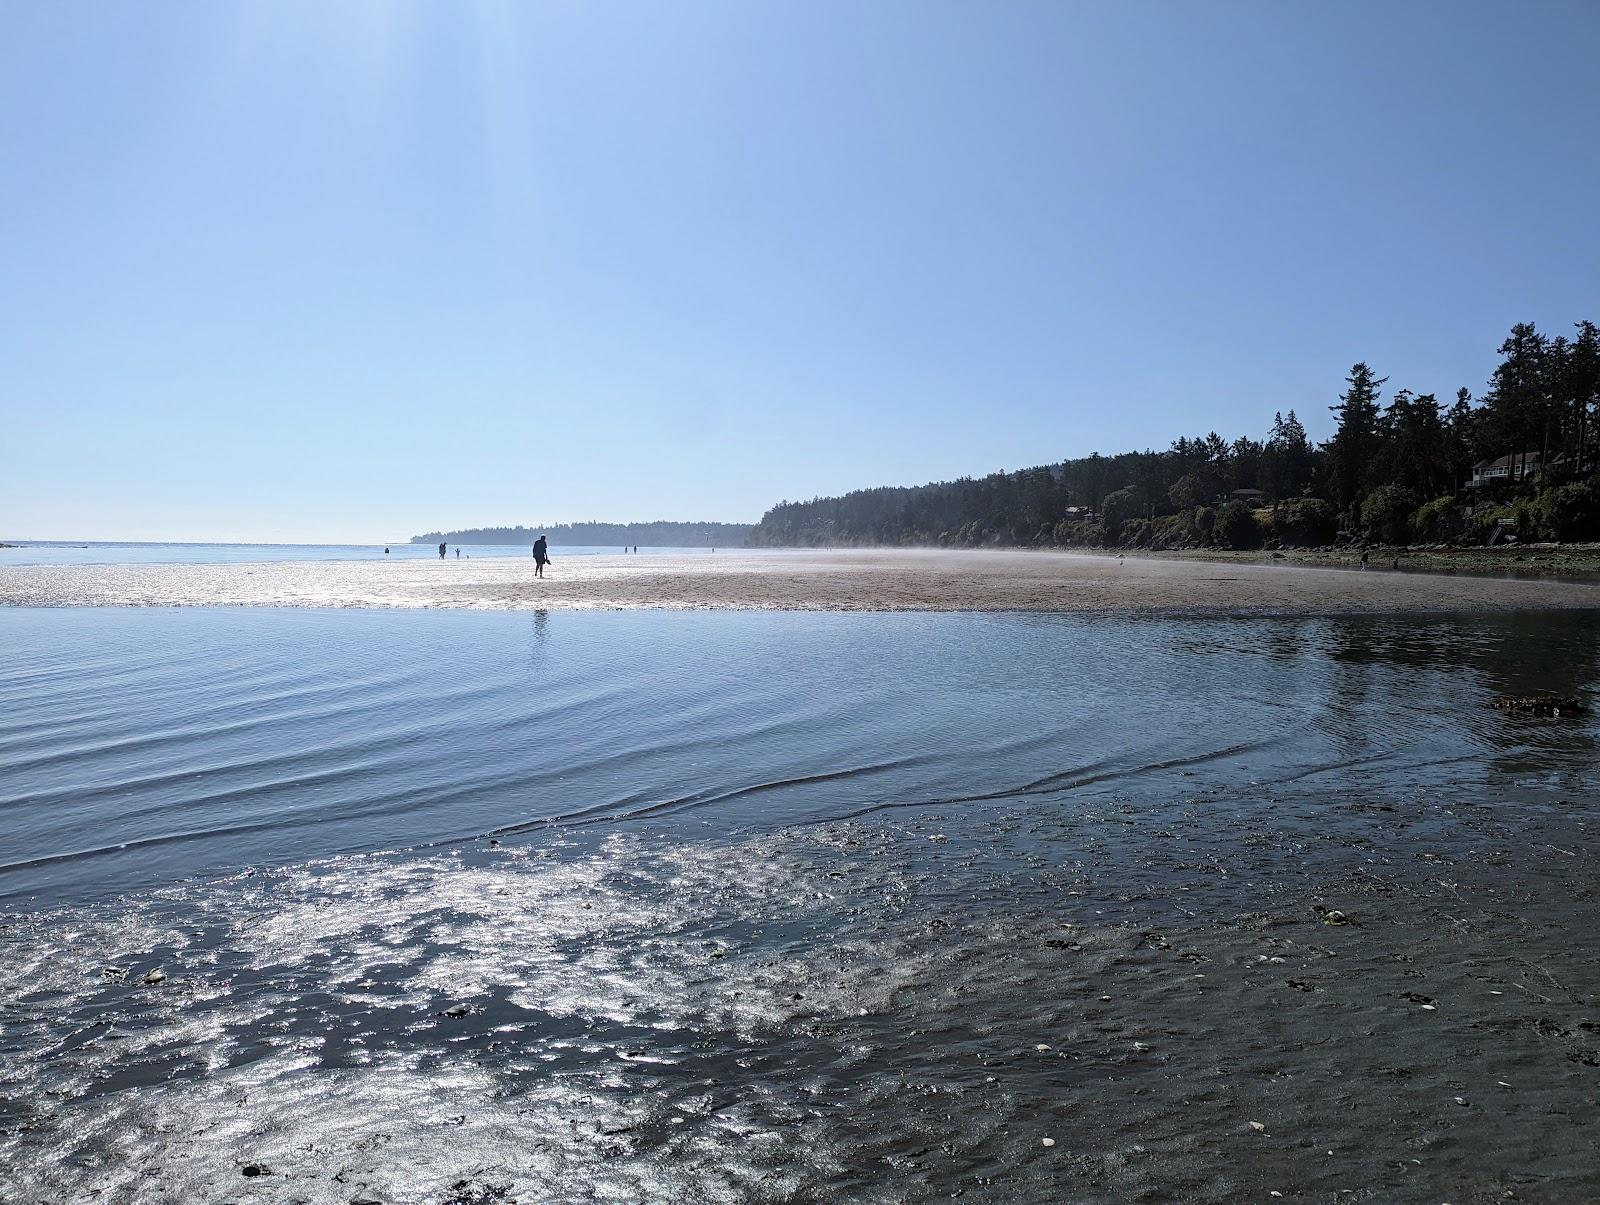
[
  {"x": 866, "y": 580},
  {"x": 1133, "y": 1000}
]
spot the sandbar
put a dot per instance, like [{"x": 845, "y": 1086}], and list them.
[{"x": 846, "y": 580}]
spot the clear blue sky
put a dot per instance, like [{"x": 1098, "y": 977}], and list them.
[{"x": 351, "y": 271}]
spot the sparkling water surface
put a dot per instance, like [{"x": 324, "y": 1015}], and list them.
[
  {"x": 146, "y": 746},
  {"x": 573, "y": 906},
  {"x": 106, "y": 552}
]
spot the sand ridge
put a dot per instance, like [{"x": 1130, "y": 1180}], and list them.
[{"x": 846, "y": 580}]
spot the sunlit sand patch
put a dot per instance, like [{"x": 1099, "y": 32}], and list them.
[{"x": 861, "y": 580}]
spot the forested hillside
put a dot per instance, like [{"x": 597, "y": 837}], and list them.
[
  {"x": 659, "y": 534},
  {"x": 1395, "y": 471}
]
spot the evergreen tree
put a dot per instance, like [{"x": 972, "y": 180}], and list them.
[
  {"x": 1350, "y": 451},
  {"x": 1583, "y": 392},
  {"x": 1414, "y": 444},
  {"x": 1286, "y": 460},
  {"x": 1461, "y": 437},
  {"x": 1515, "y": 408}
]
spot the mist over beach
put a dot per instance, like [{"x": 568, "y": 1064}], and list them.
[{"x": 727, "y": 603}]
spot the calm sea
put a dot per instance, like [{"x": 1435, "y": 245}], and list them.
[
  {"x": 142, "y": 747},
  {"x": 129, "y": 553},
  {"x": 466, "y": 906}
]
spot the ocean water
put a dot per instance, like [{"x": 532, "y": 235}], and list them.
[
  {"x": 468, "y": 906},
  {"x": 43, "y": 552},
  {"x": 143, "y": 747}
]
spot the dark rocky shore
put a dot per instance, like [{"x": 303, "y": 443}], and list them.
[{"x": 1521, "y": 560}]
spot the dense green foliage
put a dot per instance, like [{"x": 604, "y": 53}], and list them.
[
  {"x": 660, "y": 534},
  {"x": 1390, "y": 473},
  {"x": 1236, "y": 526}
]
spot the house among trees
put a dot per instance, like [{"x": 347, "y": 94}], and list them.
[
  {"x": 1249, "y": 497},
  {"x": 1513, "y": 466}
]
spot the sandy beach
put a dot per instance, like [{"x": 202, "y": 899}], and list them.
[{"x": 851, "y": 580}]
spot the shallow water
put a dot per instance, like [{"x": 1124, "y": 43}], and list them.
[
  {"x": 144, "y": 747},
  {"x": 112, "y": 552},
  {"x": 794, "y": 906}
]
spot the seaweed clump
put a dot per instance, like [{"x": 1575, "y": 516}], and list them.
[{"x": 1540, "y": 704}]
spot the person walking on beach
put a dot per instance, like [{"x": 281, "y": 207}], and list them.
[
  {"x": 441, "y": 552},
  {"x": 541, "y": 556}
]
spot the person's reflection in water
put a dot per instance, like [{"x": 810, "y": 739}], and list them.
[{"x": 541, "y": 620}]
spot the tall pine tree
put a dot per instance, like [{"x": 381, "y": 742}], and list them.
[{"x": 1351, "y": 450}]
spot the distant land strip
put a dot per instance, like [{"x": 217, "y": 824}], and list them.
[{"x": 661, "y": 533}]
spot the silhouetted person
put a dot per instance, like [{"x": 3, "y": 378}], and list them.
[
  {"x": 441, "y": 552},
  {"x": 458, "y": 554},
  {"x": 541, "y": 556},
  {"x": 385, "y": 552}
]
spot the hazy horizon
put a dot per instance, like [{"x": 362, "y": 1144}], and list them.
[
  {"x": 360, "y": 543},
  {"x": 309, "y": 273}
]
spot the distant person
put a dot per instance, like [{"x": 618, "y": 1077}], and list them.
[
  {"x": 385, "y": 552},
  {"x": 1363, "y": 560},
  {"x": 458, "y": 554},
  {"x": 541, "y": 556},
  {"x": 441, "y": 552}
]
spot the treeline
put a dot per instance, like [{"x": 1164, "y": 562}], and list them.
[
  {"x": 1414, "y": 469},
  {"x": 660, "y": 534}
]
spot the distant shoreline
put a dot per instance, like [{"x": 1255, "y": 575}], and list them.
[
  {"x": 1531, "y": 560},
  {"x": 658, "y": 533},
  {"x": 1528, "y": 560},
  {"x": 779, "y": 580}
]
